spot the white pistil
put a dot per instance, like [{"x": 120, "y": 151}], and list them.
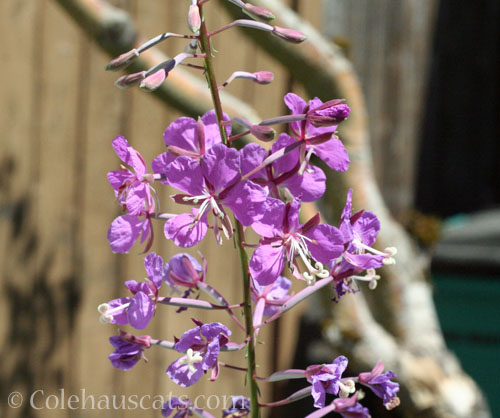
[
  {"x": 191, "y": 358},
  {"x": 107, "y": 312},
  {"x": 371, "y": 277}
]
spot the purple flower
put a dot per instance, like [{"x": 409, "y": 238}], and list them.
[
  {"x": 359, "y": 232},
  {"x": 211, "y": 185},
  {"x": 186, "y": 136},
  {"x": 381, "y": 385},
  {"x": 284, "y": 237},
  {"x": 240, "y": 407},
  {"x": 201, "y": 345},
  {"x": 182, "y": 407},
  {"x": 325, "y": 379},
  {"x": 132, "y": 188},
  {"x": 140, "y": 308},
  {"x": 274, "y": 295},
  {"x": 125, "y": 230},
  {"x": 128, "y": 350},
  {"x": 283, "y": 173},
  {"x": 319, "y": 140},
  {"x": 351, "y": 408},
  {"x": 184, "y": 270}
]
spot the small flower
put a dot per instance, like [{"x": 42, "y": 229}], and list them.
[
  {"x": 186, "y": 136},
  {"x": 182, "y": 407},
  {"x": 274, "y": 294},
  {"x": 139, "y": 309},
  {"x": 326, "y": 379},
  {"x": 128, "y": 350},
  {"x": 201, "y": 345},
  {"x": 331, "y": 150},
  {"x": 125, "y": 230},
  {"x": 282, "y": 176},
  {"x": 284, "y": 237},
  {"x": 240, "y": 407},
  {"x": 360, "y": 232},
  {"x": 381, "y": 385},
  {"x": 212, "y": 184},
  {"x": 132, "y": 187},
  {"x": 351, "y": 408}
]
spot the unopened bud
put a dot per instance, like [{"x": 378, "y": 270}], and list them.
[
  {"x": 144, "y": 340},
  {"x": 258, "y": 13},
  {"x": 329, "y": 114},
  {"x": 194, "y": 18},
  {"x": 263, "y": 133},
  {"x": 290, "y": 35},
  {"x": 122, "y": 61},
  {"x": 263, "y": 77},
  {"x": 130, "y": 80},
  {"x": 155, "y": 80}
]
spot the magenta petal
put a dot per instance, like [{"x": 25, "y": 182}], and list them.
[
  {"x": 137, "y": 199},
  {"x": 252, "y": 155},
  {"x": 334, "y": 154},
  {"x": 123, "y": 232},
  {"x": 364, "y": 261},
  {"x": 292, "y": 216},
  {"x": 212, "y": 132},
  {"x": 288, "y": 161},
  {"x": 271, "y": 223},
  {"x": 161, "y": 162},
  {"x": 267, "y": 263},
  {"x": 182, "y": 133},
  {"x": 367, "y": 227},
  {"x": 221, "y": 166},
  {"x": 329, "y": 243},
  {"x": 119, "y": 317},
  {"x": 181, "y": 375},
  {"x": 140, "y": 311},
  {"x": 185, "y": 174},
  {"x": 182, "y": 231},
  {"x": 246, "y": 200},
  {"x": 310, "y": 186},
  {"x": 189, "y": 339},
  {"x": 119, "y": 177},
  {"x": 297, "y": 106}
]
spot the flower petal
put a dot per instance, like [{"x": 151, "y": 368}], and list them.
[
  {"x": 310, "y": 186},
  {"x": 181, "y": 375},
  {"x": 267, "y": 263},
  {"x": 328, "y": 243},
  {"x": 221, "y": 166},
  {"x": 123, "y": 232},
  {"x": 140, "y": 311},
  {"x": 247, "y": 201},
  {"x": 184, "y": 173},
  {"x": 334, "y": 154},
  {"x": 182, "y": 231}
]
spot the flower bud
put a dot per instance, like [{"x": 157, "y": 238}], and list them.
[
  {"x": 263, "y": 133},
  {"x": 130, "y": 80},
  {"x": 144, "y": 340},
  {"x": 290, "y": 35},
  {"x": 122, "y": 61},
  {"x": 155, "y": 80},
  {"x": 258, "y": 13},
  {"x": 194, "y": 18},
  {"x": 328, "y": 114},
  {"x": 263, "y": 77}
]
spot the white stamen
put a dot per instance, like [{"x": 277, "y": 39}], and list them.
[{"x": 191, "y": 358}]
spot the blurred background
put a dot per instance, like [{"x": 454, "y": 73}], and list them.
[{"x": 429, "y": 73}]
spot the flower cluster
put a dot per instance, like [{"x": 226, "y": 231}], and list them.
[{"x": 225, "y": 190}]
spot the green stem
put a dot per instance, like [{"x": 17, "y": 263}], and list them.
[
  {"x": 254, "y": 399},
  {"x": 210, "y": 73},
  {"x": 240, "y": 235}
]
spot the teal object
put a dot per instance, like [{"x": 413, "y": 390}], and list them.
[{"x": 468, "y": 307}]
